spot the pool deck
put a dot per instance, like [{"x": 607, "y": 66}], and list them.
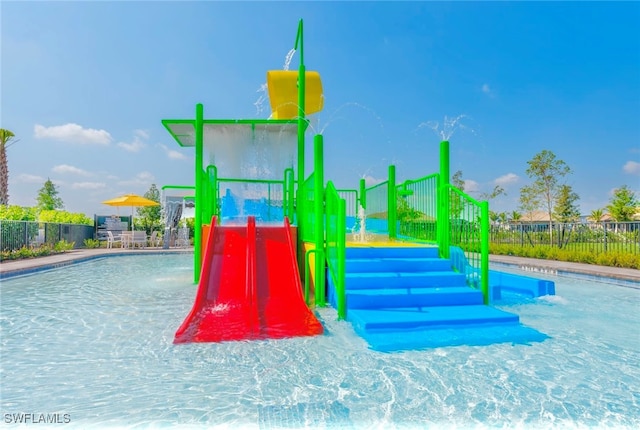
[
  {"x": 15, "y": 267},
  {"x": 10, "y": 268}
]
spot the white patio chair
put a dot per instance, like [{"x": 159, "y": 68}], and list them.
[
  {"x": 111, "y": 239},
  {"x": 155, "y": 239},
  {"x": 139, "y": 239}
]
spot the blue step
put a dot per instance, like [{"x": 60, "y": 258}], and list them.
[
  {"x": 392, "y": 252},
  {"x": 365, "y": 320},
  {"x": 446, "y": 336},
  {"x": 402, "y": 264},
  {"x": 412, "y": 297},
  {"x": 385, "y": 280}
]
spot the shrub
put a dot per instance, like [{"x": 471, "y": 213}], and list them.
[
  {"x": 63, "y": 246},
  {"x": 91, "y": 243},
  {"x": 611, "y": 259}
]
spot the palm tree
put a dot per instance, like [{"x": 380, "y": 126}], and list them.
[
  {"x": 5, "y": 137},
  {"x": 596, "y": 215}
]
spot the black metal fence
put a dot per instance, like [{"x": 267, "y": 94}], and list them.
[
  {"x": 589, "y": 237},
  {"x": 15, "y": 235}
]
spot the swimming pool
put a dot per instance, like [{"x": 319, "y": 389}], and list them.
[{"x": 94, "y": 341}]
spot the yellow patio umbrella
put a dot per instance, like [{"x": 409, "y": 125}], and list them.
[{"x": 132, "y": 200}]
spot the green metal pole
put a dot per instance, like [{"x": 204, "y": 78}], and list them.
[
  {"x": 302, "y": 123},
  {"x": 341, "y": 251},
  {"x": 391, "y": 202},
  {"x": 212, "y": 194},
  {"x": 484, "y": 250},
  {"x": 363, "y": 195},
  {"x": 197, "y": 257},
  {"x": 318, "y": 200},
  {"x": 290, "y": 185},
  {"x": 443, "y": 201}
]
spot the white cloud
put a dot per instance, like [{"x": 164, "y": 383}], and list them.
[
  {"x": 73, "y": 133},
  {"x": 471, "y": 186},
  {"x": 141, "y": 133},
  {"x": 370, "y": 180},
  {"x": 88, "y": 185},
  {"x": 138, "y": 142},
  {"x": 65, "y": 168},
  {"x": 632, "y": 168},
  {"x": 173, "y": 154},
  {"x": 134, "y": 146},
  {"x": 141, "y": 179},
  {"x": 486, "y": 89},
  {"x": 508, "y": 179},
  {"x": 30, "y": 179}
]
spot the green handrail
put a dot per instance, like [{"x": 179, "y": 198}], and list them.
[
  {"x": 469, "y": 231},
  {"x": 336, "y": 245}
]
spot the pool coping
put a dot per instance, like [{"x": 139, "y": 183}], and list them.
[
  {"x": 615, "y": 275},
  {"x": 14, "y": 268},
  {"x": 627, "y": 277}
]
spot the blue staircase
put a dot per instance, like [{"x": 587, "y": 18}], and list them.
[{"x": 401, "y": 298}]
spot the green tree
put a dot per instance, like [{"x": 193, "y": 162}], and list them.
[
  {"x": 149, "y": 216},
  {"x": 515, "y": 216},
  {"x": 565, "y": 209},
  {"x": 17, "y": 213},
  {"x": 494, "y": 217},
  {"x": 64, "y": 217},
  {"x": 457, "y": 181},
  {"x": 623, "y": 205},
  {"x": 596, "y": 215},
  {"x": 497, "y": 191},
  {"x": 6, "y": 137},
  {"x": 48, "y": 197},
  {"x": 546, "y": 171}
]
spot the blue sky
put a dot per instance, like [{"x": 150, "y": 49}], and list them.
[{"x": 86, "y": 84}]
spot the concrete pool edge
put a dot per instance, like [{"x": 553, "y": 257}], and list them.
[
  {"x": 616, "y": 275},
  {"x": 627, "y": 277},
  {"x": 14, "y": 268}
]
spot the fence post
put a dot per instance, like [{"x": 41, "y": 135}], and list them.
[
  {"x": 341, "y": 260},
  {"x": 604, "y": 228},
  {"x": 391, "y": 203},
  {"x": 484, "y": 250},
  {"x": 319, "y": 219},
  {"x": 363, "y": 195},
  {"x": 443, "y": 201}
]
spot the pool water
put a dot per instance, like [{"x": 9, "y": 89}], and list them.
[{"x": 94, "y": 341}]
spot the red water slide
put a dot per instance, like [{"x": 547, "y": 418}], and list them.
[{"x": 249, "y": 288}]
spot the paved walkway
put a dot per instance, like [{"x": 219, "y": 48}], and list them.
[
  {"x": 563, "y": 267},
  {"x": 28, "y": 265},
  {"x": 14, "y": 267}
]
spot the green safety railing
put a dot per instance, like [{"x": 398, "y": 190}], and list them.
[
  {"x": 417, "y": 208},
  {"x": 351, "y": 201},
  {"x": 289, "y": 195},
  {"x": 336, "y": 245},
  {"x": 377, "y": 205},
  {"x": 278, "y": 195},
  {"x": 469, "y": 232},
  {"x": 429, "y": 209},
  {"x": 306, "y": 223},
  {"x": 311, "y": 227}
]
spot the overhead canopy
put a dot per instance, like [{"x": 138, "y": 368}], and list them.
[{"x": 183, "y": 130}]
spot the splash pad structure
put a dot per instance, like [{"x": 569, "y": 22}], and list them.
[{"x": 271, "y": 243}]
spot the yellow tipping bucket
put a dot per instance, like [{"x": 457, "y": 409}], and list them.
[{"x": 283, "y": 93}]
